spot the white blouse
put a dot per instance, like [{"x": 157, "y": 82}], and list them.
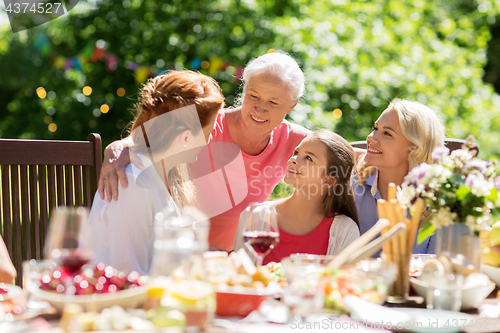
[{"x": 123, "y": 230}]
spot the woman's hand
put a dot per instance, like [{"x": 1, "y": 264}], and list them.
[
  {"x": 116, "y": 158},
  {"x": 7, "y": 271}
]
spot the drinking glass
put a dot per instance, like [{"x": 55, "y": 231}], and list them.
[
  {"x": 69, "y": 242},
  {"x": 445, "y": 292},
  {"x": 304, "y": 295},
  {"x": 260, "y": 230}
]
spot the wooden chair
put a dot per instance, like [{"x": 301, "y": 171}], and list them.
[
  {"x": 452, "y": 144},
  {"x": 37, "y": 175}
]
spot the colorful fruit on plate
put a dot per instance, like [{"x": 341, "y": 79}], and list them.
[
  {"x": 98, "y": 280},
  {"x": 3, "y": 288}
]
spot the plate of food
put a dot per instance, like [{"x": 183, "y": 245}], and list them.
[
  {"x": 93, "y": 289},
  {"x": 492, "y": 272},
  {"x": 476, "y": 288},
  {"x": 13, "y": 301}
]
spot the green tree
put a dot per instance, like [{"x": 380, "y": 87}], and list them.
[
  {"x": 358, "y": 55},
  {"x": 156, "y": 35}
]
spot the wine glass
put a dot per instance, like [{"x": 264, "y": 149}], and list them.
[
  {"x": 260, "y": 230},
  {"x": 69, "y": 242}
]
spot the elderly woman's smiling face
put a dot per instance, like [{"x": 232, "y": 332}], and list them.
[{"x": 266, "y": 103}]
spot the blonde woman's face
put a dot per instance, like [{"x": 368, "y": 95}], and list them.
[{"x": 387, "y": 147}]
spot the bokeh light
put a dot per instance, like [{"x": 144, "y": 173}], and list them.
[
  {"x": 104, "y": 108},
  {"x": 120, "y": 92},
  {"x": 205, "y": 64},
  {"x": 87, "y": 90},
  {"x": 52, "y": 127},
  {"x": 40, "y": 91},
  {"x": 337, "y": 113}
]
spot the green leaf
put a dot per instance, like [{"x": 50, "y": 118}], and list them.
[
  {"x": 493, "y": 195},
  {"x": 462, "y": 192},
  {"x": 425, "y": 231},
  {"x": 457, "y": 179}
]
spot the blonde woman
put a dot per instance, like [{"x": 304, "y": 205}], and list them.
[{"x": 403, "y": 137}]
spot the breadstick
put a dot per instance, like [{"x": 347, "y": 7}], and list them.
[
  {"x": 391, "y": 194},
  {"x": 364, "y": 239},
  {"x": 396, "y": 252},
  {"x": 382, "y": 214},
  {"x": 418, "y": 208}
]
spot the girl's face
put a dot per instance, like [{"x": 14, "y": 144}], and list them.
[
  {"x": 307, "y": 166},
  {"x": 266, "y": 103},
  {"x": 387, "y": 147}
]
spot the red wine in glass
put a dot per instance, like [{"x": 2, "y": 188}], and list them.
[
  {"x": 73, "y": 260},
  {"x": 261, "y": 241}
]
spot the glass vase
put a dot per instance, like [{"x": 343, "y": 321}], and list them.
[{"x": 458, "y": 239}]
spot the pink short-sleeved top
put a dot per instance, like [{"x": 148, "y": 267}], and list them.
[
  {"x": 315, "y": 242},
  {"x": 261, "y": 174}
]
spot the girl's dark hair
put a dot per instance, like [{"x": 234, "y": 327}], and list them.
[{"x": 339, "y": 198}]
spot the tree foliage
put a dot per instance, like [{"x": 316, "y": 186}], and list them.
[{"x": 357, "y": 56}]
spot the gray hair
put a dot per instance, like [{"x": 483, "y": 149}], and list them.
[{"x": 280, "y": 64}]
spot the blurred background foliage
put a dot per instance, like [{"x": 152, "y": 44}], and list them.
[{"x": 80, "y": 73}]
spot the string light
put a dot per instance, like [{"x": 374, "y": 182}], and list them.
[
  {"x": 52, "y": 127},
  {"x": 120, "y": 92},
  {"x": 87, "y": 90},
  {"x": 337, "y": 113},
  {"x": 104, "y": 108},
  {"x": 40, "y": 91}
]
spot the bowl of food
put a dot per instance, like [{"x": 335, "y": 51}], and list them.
[
  {"x": 93, "y": 289},
  {"x": 369, "y": 279},
  {"x": 475, "y": 289},
  {"x": 417, "y": 262},
  {"x": 239, "y": 301},
  {"x": 492, "y": 272}
]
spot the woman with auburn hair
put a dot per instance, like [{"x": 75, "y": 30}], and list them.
[
  {"x": 320, "y": 216},
  {"x": 403, "y": 137},
  {"x": 273, "y": 84},
  {"x": 175, "y": 115}
]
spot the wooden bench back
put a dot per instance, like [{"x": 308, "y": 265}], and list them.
[{"x": 36, "y": 176}]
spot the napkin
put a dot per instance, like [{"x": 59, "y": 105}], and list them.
[{"x": 368, "y": 312}]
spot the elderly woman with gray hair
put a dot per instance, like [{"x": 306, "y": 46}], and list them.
[{"x": 273, "y": 84}]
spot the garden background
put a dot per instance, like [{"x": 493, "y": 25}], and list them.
[{"x": 80, "y": 73}]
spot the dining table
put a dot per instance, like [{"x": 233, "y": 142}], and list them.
[{"x": 273, "y": 317}]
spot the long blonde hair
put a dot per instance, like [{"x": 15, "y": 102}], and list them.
[
  {"x": 421, "y": 126},
  {"x": 169, "y": 92}
]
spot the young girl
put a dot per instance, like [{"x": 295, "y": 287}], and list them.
[
  {"x": 320, "y": 216},
  {"x": 176, "y": 113},
  {"x": 403, "y": 137}
]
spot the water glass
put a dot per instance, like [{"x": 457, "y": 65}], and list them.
[
  {"x": 304, "y": 295},
  {"x": 445, "y": 292}
]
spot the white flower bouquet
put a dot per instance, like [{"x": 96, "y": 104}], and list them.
[{"x": 459, "y": 188}]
